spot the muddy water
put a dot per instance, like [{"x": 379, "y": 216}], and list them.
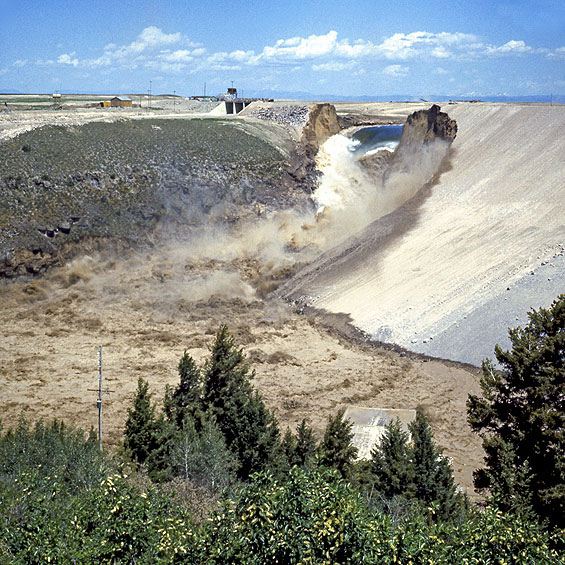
[{"x": 146, "y": 307}]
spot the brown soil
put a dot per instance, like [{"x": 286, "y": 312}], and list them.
[{"x": 145, "y": 309}]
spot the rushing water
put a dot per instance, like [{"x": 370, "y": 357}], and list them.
[
  {"x": 375, "y": 137},
  {"x": 345, "y": 190}
]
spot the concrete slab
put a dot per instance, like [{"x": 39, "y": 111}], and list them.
[{"x": 369, "y": 425}]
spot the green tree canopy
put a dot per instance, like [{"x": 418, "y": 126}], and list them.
[
  {"x": 336, "y": 449},
  {"x": 521, "y": 418},
  {"x": 392, "y": 463},
  {"x": 140, "y": 434},
  {"x": 184, "y": 401},
  {"x": 250, "y": 430}
]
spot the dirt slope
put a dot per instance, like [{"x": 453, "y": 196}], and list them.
[{"x": 458, "y": 259}]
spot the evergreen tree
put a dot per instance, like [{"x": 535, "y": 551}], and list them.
[
  {"x": 336, "y": 449},
  {"x": 306, "y": 445},
  {"x": 288, "y": 448},
  {"x": 140, "y": 435},
  {"x": 391, "y": 463},
  {"x": 251, "y": 432},
  {"x": 521, "y": 418},
  {"x": 159, "y": 465},
  {"x": 432, "y": 474},
  {"x": 184, "y": 401}
]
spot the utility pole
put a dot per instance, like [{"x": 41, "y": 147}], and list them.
[
  {"x": 99, "y": 400},
  {"x": 150, "y": 90},
  {"x": 174, "y": 100},
  {"x": 204, "y": 89}
]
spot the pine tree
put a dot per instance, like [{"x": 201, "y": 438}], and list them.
[
  {"x": 391, "y": 463},
  {"x": 140, "y": 435},
  {"x": 306, "y": 445},
  {"x": 336, "y": 449},
  {"x": 432, "y": 474},
  {"x": 184, "y": 401},
  {"x": 521, "y": 418},
  {"x": 288, "y": 447},
  {"x": 251, "y": 432},
  {"x": 159, "y": 466}
]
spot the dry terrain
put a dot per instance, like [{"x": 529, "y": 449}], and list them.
[{"x": 147, "y": 305}]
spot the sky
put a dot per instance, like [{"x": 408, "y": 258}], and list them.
[{"x": 344, "y": 48}]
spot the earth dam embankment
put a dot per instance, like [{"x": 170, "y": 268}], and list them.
[{"x": 448, "y": 272}]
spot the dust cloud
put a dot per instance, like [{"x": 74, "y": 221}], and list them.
[{"x": 354, "y": 192}]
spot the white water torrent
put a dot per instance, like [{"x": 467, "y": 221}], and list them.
[{"x": 347, "y": 196}]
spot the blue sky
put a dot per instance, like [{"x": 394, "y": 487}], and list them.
[{"x": 347, "y": 47}]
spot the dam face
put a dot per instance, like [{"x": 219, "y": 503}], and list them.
[{"x": 450, "y": 271}]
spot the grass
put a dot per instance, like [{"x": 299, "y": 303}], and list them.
[{"x": 118, "y": 179}]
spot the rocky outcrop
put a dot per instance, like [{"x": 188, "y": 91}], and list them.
[
  {"x": 426, "y": 126},
  {"x": 426, "y": 138},
  {"x": 321, "y": 124}
]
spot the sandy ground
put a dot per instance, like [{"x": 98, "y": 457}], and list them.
[
  {"x": 476, "y": 250},
  {"x": 146, "y": 308}
]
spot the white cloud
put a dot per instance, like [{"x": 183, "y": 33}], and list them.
[
  {"x": 241, "y": 56},
  {"x": 179, "y": 56},
  {"x": 418, "y": 43},
  {"x": 157, "y": 50},
  {"x": 558, "y": 53},
  {"x": 302, "y": 47},
  {"x": 440, "y": 71},
  {"x": 395, "y": 71},
  {"x": 334, "y": 66},
  {"x": 20, "y": 63},
  {"x": 67, "y": 59},
  {"x": 510, "y": 47}
]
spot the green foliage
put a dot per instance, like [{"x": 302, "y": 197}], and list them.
[
  {"x": 521, "y": 419},
  {"x": 140, "y": 434},
  {"x": 251, "y": 432},
  {"x": 392, "y": 465},
  {"x": 312, "y": 517},
  {"x": 51, "y": 449},
  {"x": 315, "y": 517},
  {"x": 412, "y": 477},
  {"x": 433, "y": 477},
  {"x": 113, "y": 522},
  {"x": 300, "y": 450},
  {"x": 336, "y": 450},
  {"x": 306, "y": 445},
  {"x": 158, "y": 462},
  {"x": 288, "y": 448},
  {"x": 185, "y": 400},
  {"x": 203, "y": 457}
]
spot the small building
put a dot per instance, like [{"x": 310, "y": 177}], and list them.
[
  {"x": 57, "y": 98},
  {"x": 232, "y": 92},
  {"x": 105, "y": 104},
  {"x": 121, "y": 102}
]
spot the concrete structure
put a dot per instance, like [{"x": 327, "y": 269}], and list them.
[
  {"x": 369, "y": 426},
  {"x": 121, "y": 102},
  {"x": 236, "y": 105}
]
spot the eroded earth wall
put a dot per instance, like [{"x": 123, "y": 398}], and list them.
[{"x": 452, "y": 269}]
